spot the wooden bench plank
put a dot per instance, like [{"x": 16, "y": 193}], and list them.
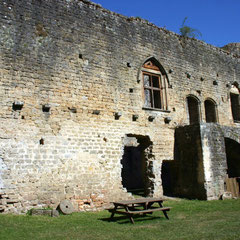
[
  {"x": 150, "y": 210},
  {"x": 124, "y": 213}
]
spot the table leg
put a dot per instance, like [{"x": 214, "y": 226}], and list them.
[
  {"x": 129, "y": 215},
  {"x": 164, "y": 211},
  {"x": 131, "y": 219},
  {"x": 149, "y": 205},
  {"x": 146, "y": 206},
  {"x": 113, "y": 212}
]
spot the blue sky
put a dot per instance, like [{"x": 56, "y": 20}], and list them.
[{"x": 217, "y": 20}]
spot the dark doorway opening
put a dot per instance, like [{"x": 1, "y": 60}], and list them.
[
  {"x": 133, "y": 170},
  {"x": 168, "y": 181},
  {"x": 137, "y": 166},
  {"x": 235, "y": 106},
  {"x": 233, "y": 163}
]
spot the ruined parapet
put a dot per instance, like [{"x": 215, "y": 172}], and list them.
[{"x": 233, "y": 48}]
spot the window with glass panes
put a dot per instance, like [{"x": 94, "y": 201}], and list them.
[{"x": 154, "y": 87}]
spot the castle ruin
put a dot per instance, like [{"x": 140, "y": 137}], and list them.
[{"x": 96, "y": 107}]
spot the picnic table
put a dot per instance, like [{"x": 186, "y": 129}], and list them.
[{"x": 140, "y": 206}]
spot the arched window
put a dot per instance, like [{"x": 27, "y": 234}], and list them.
[
  {"x": 193, "y": 109},
  {"x": 154, "y": 84},
  {"x": 235, "y": 103},
  {"x": 210, "y": 110}
]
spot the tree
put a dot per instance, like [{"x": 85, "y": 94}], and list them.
[{"x": 187, "y": 31}]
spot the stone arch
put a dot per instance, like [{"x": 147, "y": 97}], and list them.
[
  {"x": 210, "y": 110},
  {"x": 231, "y": 135},
  {"x": 193, "y": 108},
  {"x": 157, "y": 63}
]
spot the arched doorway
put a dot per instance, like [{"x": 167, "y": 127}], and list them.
[{"x": 233, "y": 164}]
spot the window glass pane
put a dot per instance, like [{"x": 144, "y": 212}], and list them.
[
  {"x": 155, "y": 81},
  {"x": 157, "y": 99},
  {"x": 147, "y": 81},
  {"x": 148, "y": 98}
]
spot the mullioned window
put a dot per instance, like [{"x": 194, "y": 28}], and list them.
[{"x": 154, "y": 84}]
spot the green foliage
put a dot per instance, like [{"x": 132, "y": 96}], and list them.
[
  {"x": 29, "y": 212},
  {"x": 187, "y": 31}
]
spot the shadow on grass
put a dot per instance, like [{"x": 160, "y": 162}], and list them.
[{"x": 126, "y": 220}]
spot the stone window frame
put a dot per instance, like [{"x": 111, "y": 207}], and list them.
[
  {"x": 215, "y": 110},
  {"x": 199, "y": 109},
  {"x": 156, "y": 70},
  {"x": 235, "y": 109}
]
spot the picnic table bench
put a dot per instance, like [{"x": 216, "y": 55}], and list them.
[{"x": 140, "y": 206}]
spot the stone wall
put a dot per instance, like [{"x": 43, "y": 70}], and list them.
[
  {"x": 66, "y": 68},
  {"x": 214, "y": 159}
]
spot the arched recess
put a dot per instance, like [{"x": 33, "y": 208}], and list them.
[
  {"x": 233, "y": 167},
  {"x": 235, "y": 101},
  {"x": 155, "y": 84},
  {"x": 193, "y": 106},
  {"x": 210, "y": 110},
  {"x": 233, "y": 157}
]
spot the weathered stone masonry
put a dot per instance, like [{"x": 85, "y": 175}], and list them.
[{"x": 72, "y": 104}]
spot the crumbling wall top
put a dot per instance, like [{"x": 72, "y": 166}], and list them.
[{"x": 231, "y": 48}]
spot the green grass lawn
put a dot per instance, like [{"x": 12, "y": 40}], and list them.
[{"x": 188, "y": 220}]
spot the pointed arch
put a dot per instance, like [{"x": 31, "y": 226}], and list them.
[
  {"x": 158, "y": 64},
  {"x": 155, "y": 83}
]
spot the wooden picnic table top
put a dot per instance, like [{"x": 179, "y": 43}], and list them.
[{"x": 137, "y": 201}]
